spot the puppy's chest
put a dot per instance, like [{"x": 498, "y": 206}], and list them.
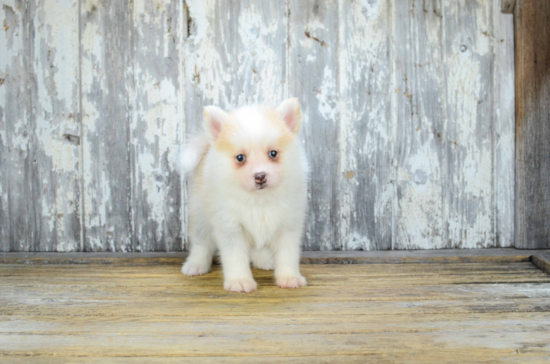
[{"x": 262, "y": 223}]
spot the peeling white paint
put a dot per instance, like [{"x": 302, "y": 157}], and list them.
[
  {"x": 20, "y": 139},
  {"x": 370, "y": 8},
  {"x": 365, "y": 192},
  {"x": 471, "y": 186},
  {"x": 204, "y": 64},
  {"x": 327, "y": 96}
]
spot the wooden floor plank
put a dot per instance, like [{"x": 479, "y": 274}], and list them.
[
  {"x": 366, "y": 293},
  {"x": 542, "y": 261},
  {"x": 476, "y": 312},
  {"x": 357, "y": 271},
  {"x": 452, "y": 357},
  {"x": 499, "y": 255}
]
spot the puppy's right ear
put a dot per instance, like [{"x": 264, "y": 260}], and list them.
[
  {"x": 214, "y": 117},
  {"x": 289, "y": 111}
]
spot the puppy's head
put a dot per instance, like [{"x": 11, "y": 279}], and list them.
[{"x": 253, "y": 144}]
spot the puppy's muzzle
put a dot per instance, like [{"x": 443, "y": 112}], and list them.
[{"x": 260, "y": 179}]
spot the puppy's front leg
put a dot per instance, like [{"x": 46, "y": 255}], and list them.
[
  {"x": 287, "y": 260},
  {"x": 236, "y": 263}
]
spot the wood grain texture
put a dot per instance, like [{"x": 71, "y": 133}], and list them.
[
  {"x": 437, "y": 204},
  {"x": 422, "y": 313},
  {"x": 419, "y": 118},
  {"x": 235, "y": 55},
  {"x": 469, "y": 196},
  {"x": 313, "y": 77},
  {"x": 56, "y": 111},
  {"x": 39, "y": 80},
  {"x": 17, "y": 220},
  {"x": 106, "y": 113},
  {"x": 132, "y": 193},
  {"x": 532, "y": 36},
  {"x": 365, "y": 189},
  {"x": 156, "y": 124},
  {"x": 504, "y": 120}
]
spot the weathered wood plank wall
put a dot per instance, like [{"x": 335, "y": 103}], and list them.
[{"x": 408, "y": 116}]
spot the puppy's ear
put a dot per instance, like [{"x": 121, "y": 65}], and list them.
[
  {"x": 214, "y": 117},
  {"x": 289, "y": 111}
]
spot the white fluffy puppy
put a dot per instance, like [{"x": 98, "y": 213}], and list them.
[{"x": 248, "y": 194}]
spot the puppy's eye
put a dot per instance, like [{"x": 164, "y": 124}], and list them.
[
  {"x": 240, "y": 158},
  {"x": 273, "y": 154}
]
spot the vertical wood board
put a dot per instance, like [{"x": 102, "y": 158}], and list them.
[
  {"x": 364, "y": 191},
  {"x": 503, "y": 126},
  {"x": 468, "y": 62},
  {"x": 55, "y": 94},
  {"x": 17, "y": 152},
  {"x": 106, "y": 56},
  {"x": 532, "y": 56},
  {"x": 156, "y": 122},
  {"x": 39, "y": 86},
  {"x": 419, "y": 113}
]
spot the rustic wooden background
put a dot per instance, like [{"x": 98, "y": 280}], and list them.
[{"x": 408, "y": 116}]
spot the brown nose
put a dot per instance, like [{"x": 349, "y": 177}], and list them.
[{"x": 260, "y": 178}]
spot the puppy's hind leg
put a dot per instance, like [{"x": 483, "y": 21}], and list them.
[
  {"x": 262, "y": 259},
  {"x": 199, "y": 260}
]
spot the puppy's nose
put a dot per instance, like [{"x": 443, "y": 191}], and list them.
[{"x": 260, "y": 178}]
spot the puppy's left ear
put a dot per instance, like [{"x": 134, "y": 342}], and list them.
[{"x": 289, "y": 111}]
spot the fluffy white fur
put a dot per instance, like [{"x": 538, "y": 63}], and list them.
[{"x": 230, "y": 212}]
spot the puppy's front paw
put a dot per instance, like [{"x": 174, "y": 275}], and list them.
[
  {"x": 291, "y": 281},
  {"x": 240, "y": 285},
  {"x": 194, "y": 269}
]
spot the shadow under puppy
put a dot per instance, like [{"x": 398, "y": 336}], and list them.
[{"x": 248, "y": 194}]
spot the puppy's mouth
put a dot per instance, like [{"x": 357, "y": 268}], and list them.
[{"x": 263, "y": 186}]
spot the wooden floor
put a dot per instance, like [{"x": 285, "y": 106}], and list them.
[{"x": 469, "y": 312}]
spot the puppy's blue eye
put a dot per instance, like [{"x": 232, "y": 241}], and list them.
[
  {"x": 273, "y": 154},
  {"x": 240, "y": 158}
]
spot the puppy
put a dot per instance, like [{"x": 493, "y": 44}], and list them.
[{"x": 248, "y": 194}]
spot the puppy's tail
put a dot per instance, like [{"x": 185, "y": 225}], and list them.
[{"x": 192, "y": 153}]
